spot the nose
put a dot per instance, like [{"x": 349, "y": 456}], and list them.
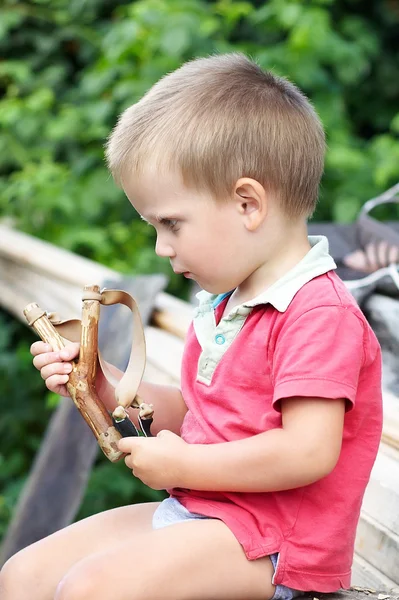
[{"x": 163, "y": 249}]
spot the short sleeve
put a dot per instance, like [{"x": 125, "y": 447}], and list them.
[{"x": 319, "y": 355}]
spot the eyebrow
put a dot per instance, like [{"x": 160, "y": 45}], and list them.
[{"x": 159, "y": 218}]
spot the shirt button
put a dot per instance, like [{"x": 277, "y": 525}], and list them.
[{"x": 220, "y": 339}]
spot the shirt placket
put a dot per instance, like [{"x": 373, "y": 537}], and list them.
[{"x": 214, "y": 339}]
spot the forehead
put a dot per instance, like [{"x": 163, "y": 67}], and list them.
[
  {"x": 154, "y": 192},
  {"x": 152, "y": 183}
]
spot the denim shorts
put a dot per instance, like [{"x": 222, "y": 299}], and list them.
[{"x": 170, "y": 511}]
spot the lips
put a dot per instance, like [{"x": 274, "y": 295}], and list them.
[{"x": 184, "y": 273}]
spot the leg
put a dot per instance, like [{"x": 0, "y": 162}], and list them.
[
  {"x": 35, "y": 572},
  {"x": 194, "y": 560}
]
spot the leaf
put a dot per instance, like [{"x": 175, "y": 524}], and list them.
[
  {"x": 175, "y": 41},
  {"x": 345, "y": 209}
]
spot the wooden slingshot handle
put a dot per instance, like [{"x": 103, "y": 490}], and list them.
[{"x": 81, "y": 380}]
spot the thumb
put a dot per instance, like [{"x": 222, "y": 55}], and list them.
[
  {"x": 70, "y": 351},
  {"x": 127, "y": 444},
  {"x": 163, "y": 433}
]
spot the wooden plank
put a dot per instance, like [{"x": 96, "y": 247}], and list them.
[
  {"x": 383, "y": 313},
  {"x": 56, "y": 263},
  {"x": 56, "y": 483},
  {"x": 367, "y": 576},
  {"x": 353, "y": 593},
  {"x": 173, "y": 315},
  {"x": 381, "y": 500},
  {"x": 165, "y": 351},
  {"x": 379, "y": 546},
  {"x": 377, "y": 533},
  {"x": 20, "y": 285},
  {"x": 390, "y": 434},
  {"x": 154, "y": 375},
  {"x": 34, "y": 256}
]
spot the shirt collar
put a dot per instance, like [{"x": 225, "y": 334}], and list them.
[{"x": 316, "y": 262}]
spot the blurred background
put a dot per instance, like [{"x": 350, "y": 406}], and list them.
[{"x": 69, "y": 67}]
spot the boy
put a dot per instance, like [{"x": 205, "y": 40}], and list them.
[{"x": 267, "y": 449}]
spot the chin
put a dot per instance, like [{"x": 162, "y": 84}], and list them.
[{"x": 215, "y": 289}]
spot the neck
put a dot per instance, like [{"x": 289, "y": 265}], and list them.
[{"x": 287, "y": 251}]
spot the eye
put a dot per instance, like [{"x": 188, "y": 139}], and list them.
[{"x": 171, "y": 224}]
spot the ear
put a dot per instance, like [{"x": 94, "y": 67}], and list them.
[{"x": 251, "y": 202}]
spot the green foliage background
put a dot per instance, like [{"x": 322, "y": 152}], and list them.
[{"x": 69, "y": 67}]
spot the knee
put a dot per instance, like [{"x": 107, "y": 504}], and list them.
[
  {"x": 73, "y": 587},
  {"x": 14, "y": 578},
  {"x": 6, "y": 580},
  {"x": 86, "y": 581},
  {"x": 82, "y": 582}
]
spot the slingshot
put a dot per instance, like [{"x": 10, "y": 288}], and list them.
[{"x": 108, "y": 429}]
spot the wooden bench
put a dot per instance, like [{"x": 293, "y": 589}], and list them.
[{"x": 34, "y": 270}]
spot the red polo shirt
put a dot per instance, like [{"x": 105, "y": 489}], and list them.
[{"x": 320, "y": 346}]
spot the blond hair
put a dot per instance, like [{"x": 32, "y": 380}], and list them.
[{"x": 220, "y": 118}]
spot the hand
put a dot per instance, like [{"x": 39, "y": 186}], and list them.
[
  {"x": 159, "y": 461},
  {"x": 54, "y": 367}
]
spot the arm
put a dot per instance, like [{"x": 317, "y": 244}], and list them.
[
  {"x": 304, "y": 450},
  {"x": 320, "y": 352},
  {"x": 315, "y": 366},
  {"x": 55, "y": 368},
  {"x": 169, "y": 406}
]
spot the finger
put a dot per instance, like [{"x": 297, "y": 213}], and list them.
[
  {"x": 393, "y": 255},
  {"x": 356, "y": 260},
  {"x": 124, "y": 445},
  {"x": 128, "y": 444},
  {"x": 128, "y": 461},
  {"x": 57, "y": 384},
  {"x": 382, "y": 254},
  {"x": 70, "y": 351},
  {"x": 372, "y": 257},
  {"x": 164, "y": 433},
  {"x": 39, "y": 348},
  {"x": 47, "y": 358},
  {"x": 43, "y": 354},
  {"x": 55, "y": 369}
]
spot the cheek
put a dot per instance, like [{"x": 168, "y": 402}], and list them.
[
  {"x": 195, "y": 244},
  {"x": 204, "y": 250}
]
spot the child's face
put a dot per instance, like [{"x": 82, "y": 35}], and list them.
[{"x": 205, "y": 240}]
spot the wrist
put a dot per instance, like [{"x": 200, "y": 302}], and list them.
[
  {"x": 187, "y": 465},
  {"x": 192, "y": 470}
]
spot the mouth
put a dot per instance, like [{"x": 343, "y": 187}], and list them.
[{"x": 184, "y": 273}]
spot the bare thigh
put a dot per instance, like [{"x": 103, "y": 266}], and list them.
[
  {"x": 193, "y": 560},
  {"x": 35, "y": 572}
]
